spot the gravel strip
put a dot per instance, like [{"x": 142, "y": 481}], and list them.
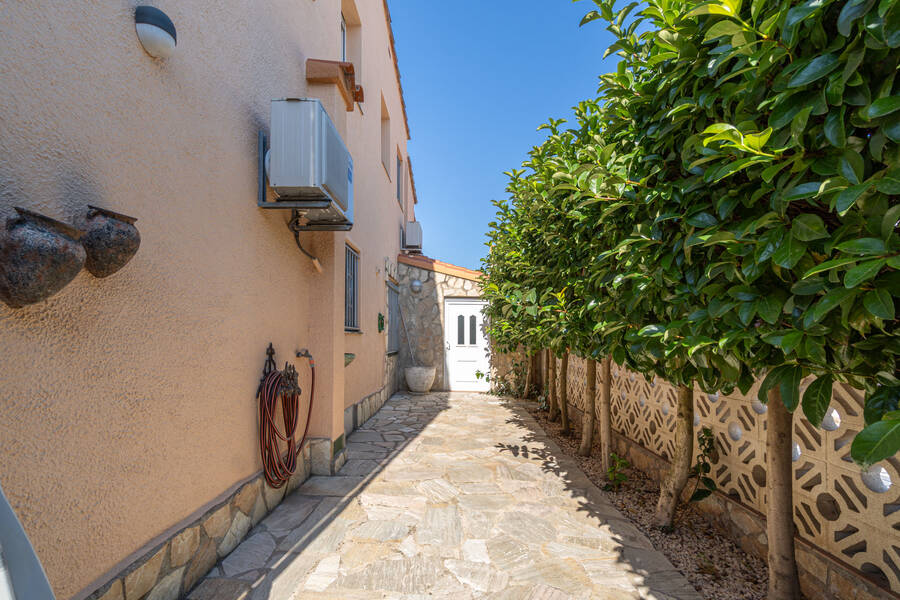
[{"x": 714, "y": 565}]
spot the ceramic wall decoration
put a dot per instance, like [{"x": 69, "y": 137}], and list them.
[
  {"x": 110, "y": 239},
  {"x": 38, "y": 257}
]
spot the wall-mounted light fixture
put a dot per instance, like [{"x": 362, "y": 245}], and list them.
[
  {"x": 416, "y": 286},
  {"x": 155, "y": 30}
]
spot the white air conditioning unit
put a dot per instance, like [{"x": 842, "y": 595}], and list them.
[
  {"x": 308, "y": 166},
  {"x": 412, "y": 237}
]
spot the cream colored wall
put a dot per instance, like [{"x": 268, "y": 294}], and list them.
[
  {"x": 377, "y": 229},
  {"x": 127, "y": 404}
]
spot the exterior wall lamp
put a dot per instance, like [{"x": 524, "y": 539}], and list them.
[
  {"x": 155, "y": 30},
  {"x": 416, "y": 286}
]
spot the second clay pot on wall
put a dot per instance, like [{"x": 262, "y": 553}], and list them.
[
  {"x": 38, "y": 257},
  {"x": 110, "y": 239}
]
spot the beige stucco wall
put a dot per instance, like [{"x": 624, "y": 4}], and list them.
[{"x": 127, "y": 404}]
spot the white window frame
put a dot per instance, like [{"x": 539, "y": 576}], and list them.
[{"x": 343, "y": 38}]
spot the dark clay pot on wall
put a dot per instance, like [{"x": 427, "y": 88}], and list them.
[
  {"x": 38, "y": 257},
  {"x": 110, "y": 239}
]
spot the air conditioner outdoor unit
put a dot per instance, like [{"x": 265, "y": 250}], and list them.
[
  {"x": 412, "y": 238},
  {"x": 308, "y": 166}
]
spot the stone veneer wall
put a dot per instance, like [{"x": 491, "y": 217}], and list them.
[
  {"x": 176, "y": 565},
  {"x": 362, "y": 411},
  {"x": 848, "y": 536},
  {"x": 423, "y": 314}
]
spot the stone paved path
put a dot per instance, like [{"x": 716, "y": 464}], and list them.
[{"x": 447, "y": 496}]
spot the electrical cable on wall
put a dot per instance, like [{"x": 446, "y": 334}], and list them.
[{"x": 282, "y": 385}]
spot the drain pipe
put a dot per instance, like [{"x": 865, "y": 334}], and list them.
[
  {"x": 21, "y": 575},
  {"x": 406, "y": 331}
]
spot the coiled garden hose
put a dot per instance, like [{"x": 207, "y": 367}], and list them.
[{"x": 278, "y": 469}]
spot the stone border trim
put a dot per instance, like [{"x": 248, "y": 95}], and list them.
[{"x": 171, "y": 569}]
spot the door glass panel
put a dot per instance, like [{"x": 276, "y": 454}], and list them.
[
  {"x": 460, "y": 330},
  {"x": 472, "y": 330}
]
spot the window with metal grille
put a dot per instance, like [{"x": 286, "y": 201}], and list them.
[
  {"x": 351, "y": 290},
  {"x": 393, "y": 344}
]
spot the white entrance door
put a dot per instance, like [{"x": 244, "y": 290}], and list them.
[{"x": 466, "y": 345}]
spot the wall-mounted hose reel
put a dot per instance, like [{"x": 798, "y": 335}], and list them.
[{"x": 281, "y": 385}]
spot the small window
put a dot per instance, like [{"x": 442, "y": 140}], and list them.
[
  {"x": 385, "y": 138},
  {"x": 343, "y": 38},
  {"x": 472, "y": 330},
  {"x": 393, "y": 341},
  {"x": 399, "y": 179},
  {"x": 460, "y": 330},
  {"x": 351, "y": 290}
]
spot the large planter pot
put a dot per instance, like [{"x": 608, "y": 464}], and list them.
[
  {"x": 110, "y": 239},
  {"x": 419, "y": 379},
  {"x": 39, "y": 256}
]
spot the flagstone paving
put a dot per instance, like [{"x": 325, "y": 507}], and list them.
[{"x": 449, "y": 495}]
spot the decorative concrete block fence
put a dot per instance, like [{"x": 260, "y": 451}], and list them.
[{"x": 847, "y": 521}]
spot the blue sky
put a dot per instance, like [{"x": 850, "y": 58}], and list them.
[{"x": 479, "y": 77}]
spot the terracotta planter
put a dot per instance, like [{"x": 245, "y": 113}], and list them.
[
  {"x": 38, "y": 257},
  {"x": 110, "y": 239},
  {"x": 419, "y": 379}
]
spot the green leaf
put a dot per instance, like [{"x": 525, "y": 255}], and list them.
[
  {"x": 700, "y": 494},
  {"x": 863, "y": 272},
  {"x": 876, "y": 442},
  {"x": 769, "y": 308},
  {"x": 851, "y": 166},
  {"x": 882, "y": 107},
  {"x": 711, "y": 8},
  {"x": 816, "y": 69},
  {"x": 829, "y": 301},
  {"x": 790, "y": 341},
  {"x": 817, "y": 398},
  {"x": 773, "y": 378},
  {"x": 702, "y": 220},
  {"x": 880, "y": 402},
  {"x": 789, "y": 386},
  {"x": 789, "y": 253},
  {"x": 591, "y": 16},
  {"x": 850, "y": 13},
  {"x": 889, "y": 221},
  {"x": 828, "y": 265},
  {"x": 880, "y": 304},
  {"x": 834, "y": 128},
  {"x": 722, "y": 28},
  {"x": 804, "y": 190},
  {"x": 889, "y": 184},
  {"x": 863, "y": 246},
  {"x": 808, "y": 227},
  {"x": 808, "y": 287},
  {"x": 846, "y": 199}
]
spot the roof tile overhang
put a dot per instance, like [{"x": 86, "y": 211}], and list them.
[{"x": 430, "y": 264}]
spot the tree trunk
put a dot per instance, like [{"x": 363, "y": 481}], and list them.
[
  {"x": 783, "y": 581},
  {"x": 527, "y": 387},
  {"x": 590, "y": 406},
  {"x": 605, "y": 415},
  {"x": 564, "y": 392},
  {"x": 544, "y": 370},
  {"x": 671, "y": 487},
  {"x": 554, "y": 407}
]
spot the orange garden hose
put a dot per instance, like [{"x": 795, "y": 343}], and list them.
[{"x": 277, "y": 468}]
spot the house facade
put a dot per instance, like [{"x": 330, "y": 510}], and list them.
[{"x": 128, "y": 415}]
